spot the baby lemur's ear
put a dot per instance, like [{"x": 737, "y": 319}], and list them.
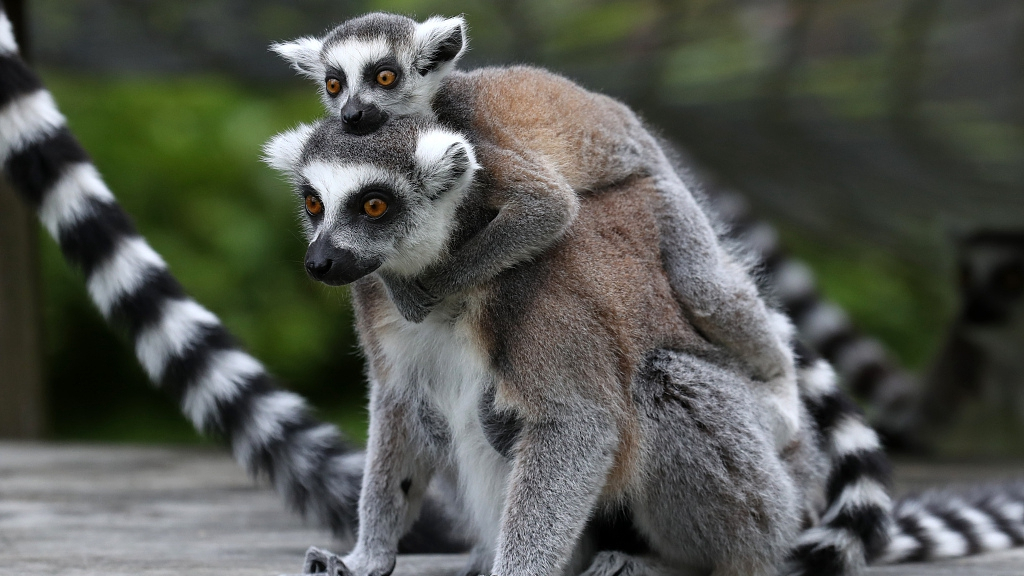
[
  {"x": 304, "y": 56},
  {"x": 283, "y": 152},
  {"x": 444, "y": 160},
  {"x": 440, "y": 42}
]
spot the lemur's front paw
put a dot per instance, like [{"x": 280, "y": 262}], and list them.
[
  {"x": 414, "y": 302},
  {"x": 319, "y": 561}
]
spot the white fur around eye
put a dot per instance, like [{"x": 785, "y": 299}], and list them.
[
  {"x": 353, "y": 55},
  {"x": 336, "y": 183},
  {"x": 283, "y": 151}
]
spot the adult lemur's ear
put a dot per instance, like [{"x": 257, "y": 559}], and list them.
[
  {"x": 284, "y": 151},
  {"x": 444, "y": 160},
  {"x": 440, "y": 42},
  {"x": 304, "y": 56}
]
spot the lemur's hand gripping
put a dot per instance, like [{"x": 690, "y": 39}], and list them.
[
  {"x": 319, "y": 561},
  {"x": 412, "y": 299}
]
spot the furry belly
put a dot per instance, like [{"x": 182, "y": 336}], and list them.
[{"x": 441, "y": 363}]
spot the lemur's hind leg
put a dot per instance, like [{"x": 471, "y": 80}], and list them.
[
  {"x": 716, "y": 493},
  {"x": 721, "y": 299}
]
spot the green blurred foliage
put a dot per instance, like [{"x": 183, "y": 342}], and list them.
[{"x": 890, "y": 299}]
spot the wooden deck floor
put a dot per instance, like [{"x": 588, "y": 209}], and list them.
[{"x": 76, "y": 510}]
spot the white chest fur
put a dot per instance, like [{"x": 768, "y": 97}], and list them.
[{"x": 440, "y": 362}]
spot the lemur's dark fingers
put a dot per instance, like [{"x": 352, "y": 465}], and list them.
[
  {"x": 316, "y": 560},
  {"x": 320, "y": 561}
]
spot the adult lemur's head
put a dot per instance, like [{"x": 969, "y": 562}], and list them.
[
  {"x": 385, "y": 201},
  {"x": 379, "y": 66}
]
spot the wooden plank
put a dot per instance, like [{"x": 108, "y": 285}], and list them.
[
  {"x": 80, "y": 510},
  {"x": 23, "y": 410}
]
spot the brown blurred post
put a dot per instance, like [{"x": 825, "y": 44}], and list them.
[{"x": 22, "y": 403}]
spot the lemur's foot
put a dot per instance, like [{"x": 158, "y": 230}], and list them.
[{"x": 319, "y": 561}]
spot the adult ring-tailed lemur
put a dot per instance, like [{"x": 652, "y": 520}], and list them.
[
  {"x": 382, "y": 66},
  {"x": 190, "y": 353},
  {"x": 588, "y": 425}
]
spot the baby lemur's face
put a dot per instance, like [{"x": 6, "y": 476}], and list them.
[
  {"x": 383, "y": 201},
  {"x": 378, "y": 66}
]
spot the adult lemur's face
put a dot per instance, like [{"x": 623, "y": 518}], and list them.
[
  {"x": 378, "y": 66},
  {"x": 382, "y": 201}
]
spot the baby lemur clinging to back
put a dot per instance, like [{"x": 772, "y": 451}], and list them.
[{"x": 545, "y": 143}]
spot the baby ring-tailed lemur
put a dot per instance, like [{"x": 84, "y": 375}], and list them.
[
  {"x": 182, "y": 346},
  {"x": 588, "y": 425},
  {"x": 546, "y": 143}
]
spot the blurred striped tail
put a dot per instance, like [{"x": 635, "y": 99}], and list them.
[
  {"x": 183, "y": 347},
  {"x": 864, "y": 366},
  {"x": 950, "y": 524}
]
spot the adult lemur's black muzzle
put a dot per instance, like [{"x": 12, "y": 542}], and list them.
[{"x": 335, "y": 266}]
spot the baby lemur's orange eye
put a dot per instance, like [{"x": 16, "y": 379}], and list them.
[
  {"x": 333, "y": 86},
  {"x": 375, "y": 207},
  {"x": 386, "y": 77},
  {"x": 313, "y": 205}
]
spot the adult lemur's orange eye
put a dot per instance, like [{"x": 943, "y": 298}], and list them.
[
  {"x": 313, "y": 205},
  {"x": 333, "y": 86},
  {"x": 375, "y": 207},
  {"x": 386, "y": 77}
]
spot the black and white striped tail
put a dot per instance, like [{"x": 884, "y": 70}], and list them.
[
  {"x": 182, "y": 346},
  {"x": 950, "y": 524},
  {"x": 855, "y": 526},
  {"x": 864, "y": 366}
]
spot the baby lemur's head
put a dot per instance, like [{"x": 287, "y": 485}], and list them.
[
  {"x": 379, "y": 66},
  {"x": 384, "y": 201}
]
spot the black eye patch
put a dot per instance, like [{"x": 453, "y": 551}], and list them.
[
  {"x": 357, "y": 202},
  {"x": 306, "y": 189},
  {"x": 371, "y": 71},
  {"x": 333, "y": 73}
]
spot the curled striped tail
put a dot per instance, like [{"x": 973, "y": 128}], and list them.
[
  {"x": 865, "y": 367},
  {"x": 855, "y": 526},
  {"x": 183, "y": 347},
  {"x": 950, "y": 524}
]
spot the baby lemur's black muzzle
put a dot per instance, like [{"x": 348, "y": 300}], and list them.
[
  {"x": 361, "y": 118},
  {"x": 335, "y": 266}
]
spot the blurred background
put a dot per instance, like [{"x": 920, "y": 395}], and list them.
[{"x": 873, "y": 134}]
